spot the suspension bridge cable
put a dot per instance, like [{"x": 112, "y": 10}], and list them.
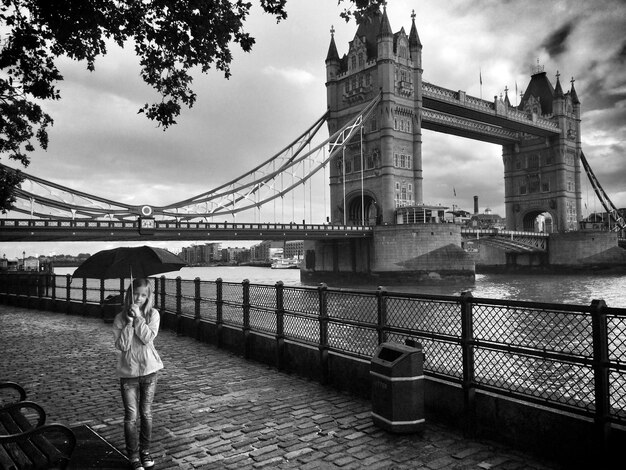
[{"x": 608, "y": 205}]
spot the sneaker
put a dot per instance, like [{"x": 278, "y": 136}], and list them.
[
  {"x": 147, "y": 460},
  {"x": 136, "y": 465}
]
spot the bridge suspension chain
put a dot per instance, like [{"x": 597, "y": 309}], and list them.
[
  {"x": 262, "y": 185},
  {"x": 602, "y": 196},
  {"x": 237, "y": 195}
]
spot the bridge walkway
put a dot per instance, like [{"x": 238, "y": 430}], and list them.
[{"x": 215, "y": 410}]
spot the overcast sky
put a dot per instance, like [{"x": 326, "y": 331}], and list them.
[{"x": 100, "y": 145}]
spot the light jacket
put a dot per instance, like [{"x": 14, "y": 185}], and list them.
[{"x": 136, "y": 342}]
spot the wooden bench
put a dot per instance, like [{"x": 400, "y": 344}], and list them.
[{"x": 26, "y": 441}]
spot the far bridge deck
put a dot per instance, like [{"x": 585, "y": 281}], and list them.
[{"x": 105, "y": 230}]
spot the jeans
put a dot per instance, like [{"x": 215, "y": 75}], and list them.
[{"x": 137, "y": 396}]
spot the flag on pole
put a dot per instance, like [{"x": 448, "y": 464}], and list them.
[
  {"x": 480, "y": 76},
  {"x": 454, "y": 190}
]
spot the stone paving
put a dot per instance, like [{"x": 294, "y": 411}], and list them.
[{"x": 216, "y": 410}]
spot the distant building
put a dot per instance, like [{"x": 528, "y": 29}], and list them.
[
  {"x": 202, "y": 254},
  {"x": 294, "y": 249},
  {"x": 31, "y": 264},
  {"x": 487, "y": 220},
  {"x": 420, "y": 214},
  {"x": 266, "y": 251},
  {"x": 602, "y": 220},
  {"x": 235, "y": 255}
]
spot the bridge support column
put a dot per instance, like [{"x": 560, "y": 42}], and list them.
[{"x": 398, "y": 254}]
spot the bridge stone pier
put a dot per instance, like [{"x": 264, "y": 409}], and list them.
[{"x": 396, "y": 254}]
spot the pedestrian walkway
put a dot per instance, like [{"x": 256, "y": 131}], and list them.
[{"x": 216, "y": 410}]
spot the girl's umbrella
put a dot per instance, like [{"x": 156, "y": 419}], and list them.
[{"x": 122, "y": 263}]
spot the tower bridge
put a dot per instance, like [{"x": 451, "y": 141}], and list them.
[{"x": 378, "y": 104}]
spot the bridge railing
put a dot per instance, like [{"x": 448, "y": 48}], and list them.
[
  {"x": 176, "y": 224},
  {"x": 560, "y": 356}
]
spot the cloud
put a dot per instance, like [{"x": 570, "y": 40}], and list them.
[
  {"x": 556, "y": 42},
  {"x": 292, "y": 75}
]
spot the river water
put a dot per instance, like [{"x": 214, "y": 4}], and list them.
[{"x": 578, "y": 288}]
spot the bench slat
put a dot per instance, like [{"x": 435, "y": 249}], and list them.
[
  {"x": 6, "y": 463},
  {"x": 32, "y": 445},
  {"x": 15, "y": 423}
]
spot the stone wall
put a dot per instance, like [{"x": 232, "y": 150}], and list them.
[
  {"x": 585, "y": 249},
  {"x": 421, "y": 253}
]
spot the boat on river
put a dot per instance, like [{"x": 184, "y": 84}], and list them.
[{"x": 285, "y": 263}]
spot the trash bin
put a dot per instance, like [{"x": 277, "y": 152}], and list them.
[
  {"x": 397, "y": 373},
  {"x": 111, "y": 305}
]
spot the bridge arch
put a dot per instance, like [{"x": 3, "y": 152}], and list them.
[
  {"x": 363, "y": 205},
  {"x": 539, "y": 220}
]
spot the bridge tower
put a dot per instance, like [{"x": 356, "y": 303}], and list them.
[
  {"x": 380, "y": 169},
  {"x": 542, "y": 175}
]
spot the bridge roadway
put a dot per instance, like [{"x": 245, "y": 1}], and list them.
[
  {"x": 12, "y": 230},
  {"x": 104, "y": 230}
]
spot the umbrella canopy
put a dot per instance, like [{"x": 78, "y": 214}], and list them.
[{"x": 124, "y": 262}]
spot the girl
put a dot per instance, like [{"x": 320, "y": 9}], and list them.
[{"x": 134, "y": 330}]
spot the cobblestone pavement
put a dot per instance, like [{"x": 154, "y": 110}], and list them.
[{"x": 216, "y": 410}]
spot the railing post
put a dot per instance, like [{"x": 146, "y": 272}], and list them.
[
  {"x": 163, "y": 293},
  {"x": 280, "y": 325},
  {"x": 196, "y": 303},
  {"x": 179, "y": 305},
  {"x": 53, "y": 289},
  {"x": 29, "y": 279},
  {"x": 467, "y": 347},
  {"x": 102, "y": 298},
  {"x": 68, "y": 294},
  {"x": 84, "y": 296},
  {"x": 246, "y": 318},
  {"x": 157, "y": 290},
  {"x": 38, "y": 288},
  {"x": 323, "y": 346},
  {"x": 122, "y": 291},
  {"x": 601, "y": 379},
  {"x": 381, "y": 295},
  {"x": 196, "y": 300},
  {"x": 219, "y": 318}
]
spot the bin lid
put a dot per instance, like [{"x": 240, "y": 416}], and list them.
[{"x": 397, "y": 360}]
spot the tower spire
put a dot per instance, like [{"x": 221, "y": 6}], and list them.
[
  {"x": 414, "y": 39},
  {"x": 385, "y": 27},
  {"x": 575, "y": 99},
  {"x": 332, "y": 48},
  {"x": 558, "y": 91}
]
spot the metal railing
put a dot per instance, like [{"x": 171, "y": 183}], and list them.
[{"x": 565, "y": 357}]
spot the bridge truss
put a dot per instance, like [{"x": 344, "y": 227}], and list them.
[{"x": 281, "y": 174}]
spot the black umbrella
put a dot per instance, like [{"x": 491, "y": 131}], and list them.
[{"x": 124, "y": 262}]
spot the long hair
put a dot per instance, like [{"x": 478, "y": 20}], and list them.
[{"x": 146, "y": 308}]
